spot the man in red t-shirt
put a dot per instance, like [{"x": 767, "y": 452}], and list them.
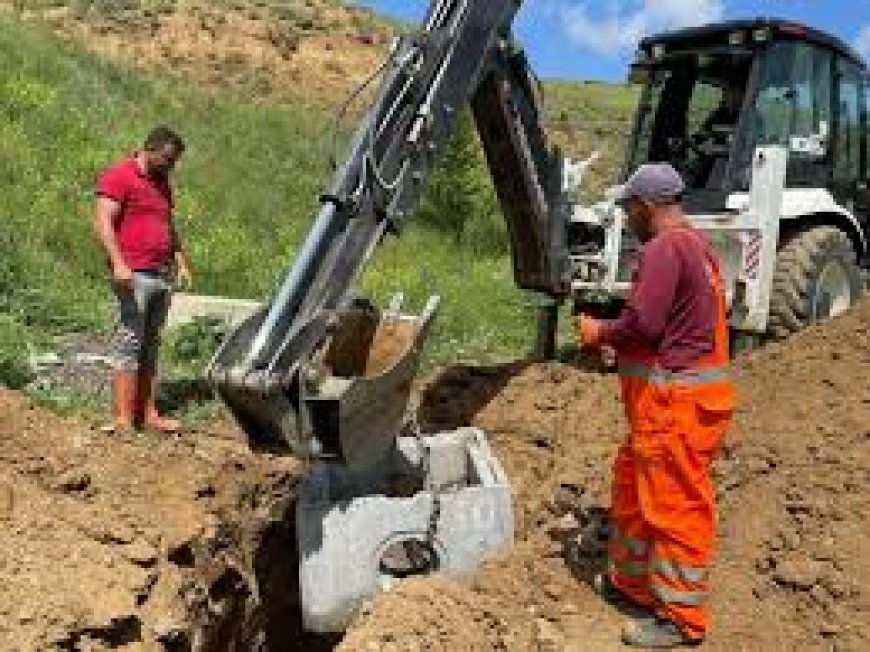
[
  {"x": 134, "y": 224},
  {"x": 672, "y": 344}
]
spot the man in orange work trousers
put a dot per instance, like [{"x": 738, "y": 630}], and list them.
[{"x": 672, "y": 345}]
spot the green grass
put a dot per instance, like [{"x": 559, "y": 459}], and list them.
[
  {"x": 15, "y": 340},
  {"x": 247, "y": 191},
  {"x": 483, "y": 317}
]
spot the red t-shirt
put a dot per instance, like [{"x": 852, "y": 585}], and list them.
[
  {"x": 672, "y": 308},
  {"x": 144, "y": 227}
]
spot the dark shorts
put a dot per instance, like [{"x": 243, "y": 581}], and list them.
[{"x": 142, "y": 315}]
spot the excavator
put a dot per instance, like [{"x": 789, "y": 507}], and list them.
[
  {"x": 273, "y": 371},
  {"x": 766, "y": 119}
]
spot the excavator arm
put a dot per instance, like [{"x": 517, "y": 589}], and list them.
[
  {"x": 462, "y": 55},
  {"x": 527, "y": 174}
]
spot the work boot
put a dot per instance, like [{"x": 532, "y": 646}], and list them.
[
  {"x": 124, "y": 384},
  {"x": 616, "y": 598},
  {"x": 147, "y": 415},
  {"x": 653, "y": 632}
]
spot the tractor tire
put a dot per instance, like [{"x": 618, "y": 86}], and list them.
[{"x": 816, "y": 277}]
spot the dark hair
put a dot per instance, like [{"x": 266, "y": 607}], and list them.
[{"x": 162, "y": 136}]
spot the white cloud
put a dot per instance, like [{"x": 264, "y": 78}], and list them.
[
  {"x": 863, "y": 42},
  {"x": 621, "y": 28}
]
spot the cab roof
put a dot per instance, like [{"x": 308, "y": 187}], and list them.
[{"x": 780, "y": 28}]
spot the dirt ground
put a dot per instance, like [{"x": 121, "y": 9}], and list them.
[
  {"x": 147, "y": 543},
  {"x": 140, "y": 542}
]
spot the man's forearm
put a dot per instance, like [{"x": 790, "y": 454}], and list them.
[
  {"x": 106, "y": 235},
  {"x": 642, "y": 320},
  {"x": 181, "y": 259},
  {"x": 623, "y": 331},
  {"x": 646, "y": 313},
  {"x": 182, "y": 264}
]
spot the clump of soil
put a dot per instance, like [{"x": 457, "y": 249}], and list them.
[{"x": 367, "y": 346}]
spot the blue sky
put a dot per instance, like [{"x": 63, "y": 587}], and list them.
[{"x": 594, "y": 39}]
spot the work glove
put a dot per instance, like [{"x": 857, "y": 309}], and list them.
[
  {"x": 590, "y": 331},
  {"x": 609, "y": 356}
]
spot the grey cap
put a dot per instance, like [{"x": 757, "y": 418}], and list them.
[{"x": 652, "y": 182}]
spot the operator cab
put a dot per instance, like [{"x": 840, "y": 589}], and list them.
[{"x": 715, "y": 93}]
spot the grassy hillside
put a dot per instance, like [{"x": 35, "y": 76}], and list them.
[
  {"x": 246, "y": 193},
  {"x": 588, "y": 116},
  {"x": 300, "y": 52}
]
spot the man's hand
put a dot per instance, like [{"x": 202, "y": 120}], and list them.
[
  {"x": 183, "y": 275},
  {"x": 609, "y": 356},
  {"x": 122, "y": 275},
  {"x": 590, "y": 331}
]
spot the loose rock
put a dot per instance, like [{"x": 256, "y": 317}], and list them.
[{"x": 798, "y": 572}]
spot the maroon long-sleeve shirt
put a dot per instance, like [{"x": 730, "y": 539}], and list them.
[{"x": 672, "y": 305}]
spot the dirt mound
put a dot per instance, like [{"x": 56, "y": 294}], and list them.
[
  {"x": 793, "y": 565},
  {"x": 139, "y": 542}
]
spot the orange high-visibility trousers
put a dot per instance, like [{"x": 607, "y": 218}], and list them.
[{"x": 663, "y": 503}]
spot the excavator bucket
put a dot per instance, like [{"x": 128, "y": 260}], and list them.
[{"x": 349, "y": 402}]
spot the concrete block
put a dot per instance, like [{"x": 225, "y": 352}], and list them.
[
  {"x": 187, "y": 307},
  {"x": 360, "y": 532}
]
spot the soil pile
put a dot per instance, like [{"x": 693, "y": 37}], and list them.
[
  {"x": 309, "y": 52},
  {"x": 140, "y": 542}
]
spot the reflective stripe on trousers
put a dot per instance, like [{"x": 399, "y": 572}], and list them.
[
  {"x": 670, "y": 596},
  {"x": 688, "y": 574},
  {"x": 694, "y": 577},
  {"x": 658, "y": 376}
]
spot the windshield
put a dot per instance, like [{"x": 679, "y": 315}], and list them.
[{"x": 689, "y": 114}]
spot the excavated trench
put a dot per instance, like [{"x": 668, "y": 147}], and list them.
[
  {"x": 257, "y": 606},
  {"x": 264, "y": 613},
  {"x": 142, "y": 542},
  {"x": 260, "y": 612}
]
